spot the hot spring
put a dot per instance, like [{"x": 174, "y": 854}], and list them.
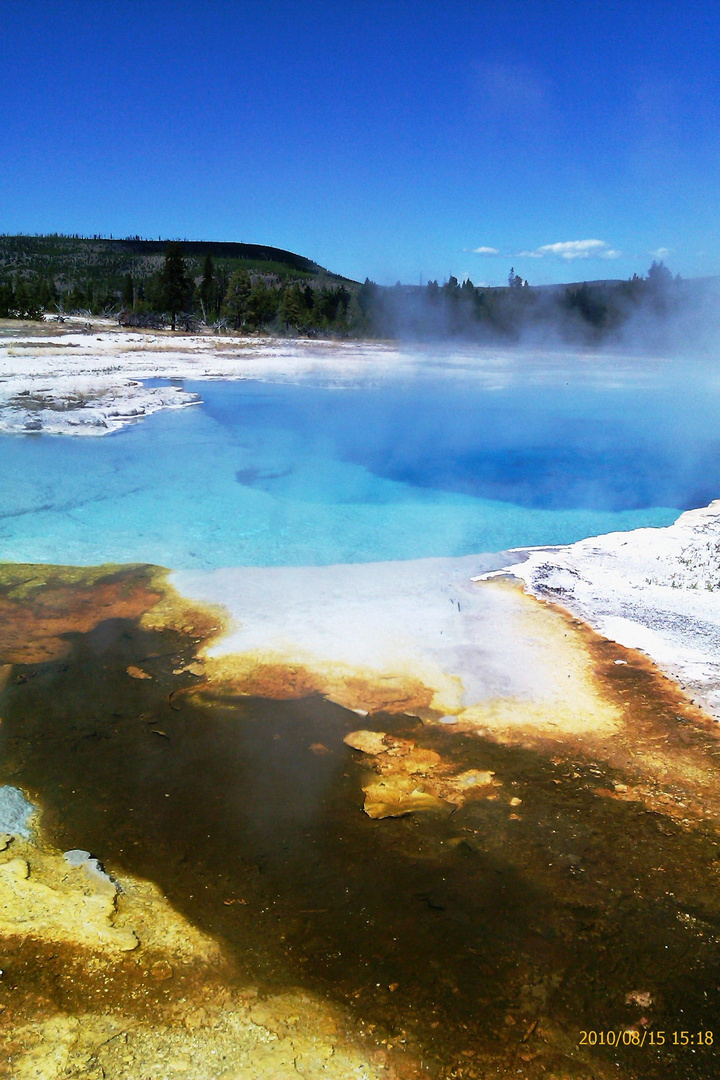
[
  {"x": 306, "y": 473},
  {"x": 546, "y": 876}
]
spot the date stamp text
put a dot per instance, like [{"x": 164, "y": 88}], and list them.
[{"x": 633, "y": 1037}]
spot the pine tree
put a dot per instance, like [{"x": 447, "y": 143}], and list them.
[
  {"x": 235, "y": 305},
  {"x": 207, "y": 288},
  {"x": 26, "y": 303},
  {"x": 367, "y": 296},
  {"x": 174, "y": 283},
  {"x": 7, "y": 299},
  {"x": 451, "y": 288},
  {"x": 291, "y": 306},
  {"x": 128, "y": 292},
  {"x": 343, "y": 300},
  {"x": 262, "y": 305}
]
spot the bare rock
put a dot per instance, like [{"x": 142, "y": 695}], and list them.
[
  {"x": 137, "y": 673},
  {"x": 395, "y": 796},
  {"x": 369, "y": 742}
]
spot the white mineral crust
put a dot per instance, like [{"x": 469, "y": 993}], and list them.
[{"x": 657, "y": 590}]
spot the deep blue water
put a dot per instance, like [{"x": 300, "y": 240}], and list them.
[{"x": 273, "y": 474}]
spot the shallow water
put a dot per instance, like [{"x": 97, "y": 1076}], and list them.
[
  {"x": 447, "y": 935},
  {"x": 264, "y": 474}
]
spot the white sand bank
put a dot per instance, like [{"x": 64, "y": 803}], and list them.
[
  {"x": 71, "y": 383},
  {"x": 657, "y": 590},
  {"x": 393, "y": 617},
  {"x": 488, "y": 655},
  {"x": 80, "y": 405}
]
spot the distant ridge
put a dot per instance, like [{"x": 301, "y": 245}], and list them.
[
  {"x": 57, "y": 252},
  {"x": 219, "y": 249}
]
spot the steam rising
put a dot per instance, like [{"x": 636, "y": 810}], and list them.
[{"x": 656, "y": 313}]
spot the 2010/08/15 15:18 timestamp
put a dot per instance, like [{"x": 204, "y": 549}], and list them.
[{"x": 633, "y": 1037}]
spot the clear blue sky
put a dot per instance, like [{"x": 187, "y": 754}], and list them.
[{"x": 576, "y": 139}]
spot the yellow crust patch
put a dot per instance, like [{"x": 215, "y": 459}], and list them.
[
  {"x": 43, "y": 897},
  {"x": 273, "y": 675}
]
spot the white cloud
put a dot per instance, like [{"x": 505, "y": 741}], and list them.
[
  {"x": 567, "y": 250},
  {"x": 573, "y": 249},
  {"x": 661, "y": 253}
]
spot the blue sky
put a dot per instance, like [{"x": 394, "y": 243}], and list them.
[{"x": 395, "y": 140}]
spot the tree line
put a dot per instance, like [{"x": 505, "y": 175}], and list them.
[
  {"x": 586, "y": 312},
  {"x": 250, "y": 301},
  {"x": 272, "y": 297}
]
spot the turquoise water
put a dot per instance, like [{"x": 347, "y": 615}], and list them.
[{"x": 264, "y": 474}]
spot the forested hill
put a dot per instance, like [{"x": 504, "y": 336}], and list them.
[
  {"x": 241, "y": 285},
  {"x": 67, "y": 257},
  {"x": 253, "y": 254}
]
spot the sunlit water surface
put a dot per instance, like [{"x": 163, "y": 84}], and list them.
[{"x": 281, "y": 474}]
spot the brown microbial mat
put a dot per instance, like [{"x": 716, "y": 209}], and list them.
[{"x": 552, "y": 920}]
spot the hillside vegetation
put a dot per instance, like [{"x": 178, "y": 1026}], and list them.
[{"x": 106, "y": 276}]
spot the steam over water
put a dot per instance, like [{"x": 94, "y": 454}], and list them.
[{"x": 280, "y": 474}]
